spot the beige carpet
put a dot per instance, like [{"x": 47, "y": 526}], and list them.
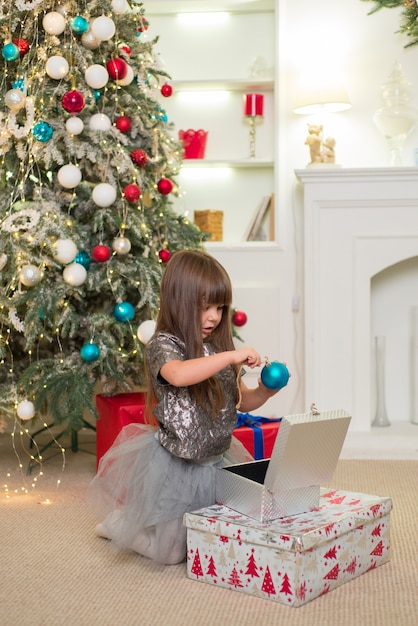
[{"x": 54, "y": 570}]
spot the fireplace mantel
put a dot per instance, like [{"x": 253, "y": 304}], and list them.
[{"x": 357, "y": 222}]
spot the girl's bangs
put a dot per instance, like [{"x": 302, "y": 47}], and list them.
[{"x": 218, "y": 292}]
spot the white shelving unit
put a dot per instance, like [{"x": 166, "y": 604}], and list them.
[{"x": 212, "y": 69}]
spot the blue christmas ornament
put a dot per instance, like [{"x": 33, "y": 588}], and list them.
[
  {"x": 10, "y": 52},
  {"x": 90, "y": 352},
  {"x": 83, "y": 258},
  {"x": 19, "y": 84},
  {"x": 79, "y": 25},
  {"x": 274, "y": 375},
  {"x": 42, "y": 131},
  {"x": 124, "y": 312},
  {"x": 97, "y": 95}
]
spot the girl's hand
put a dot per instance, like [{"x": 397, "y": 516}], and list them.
[{"x": 247, "y": 356}]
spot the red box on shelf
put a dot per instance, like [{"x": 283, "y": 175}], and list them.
[
  {"x": 257, "y": 434},
  {"x": 194, "y": 143},
  {"x": 115, "y": 412}
]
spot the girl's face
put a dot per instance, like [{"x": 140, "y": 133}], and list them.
[{"x": 211, "y": 318}]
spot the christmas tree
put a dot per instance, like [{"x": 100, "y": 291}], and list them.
[
  {"x": 408, "y": 17},
  {"x": 88, "y": 162}
]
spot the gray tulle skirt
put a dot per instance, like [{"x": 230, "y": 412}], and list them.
[{"x": 141, "y": 492}]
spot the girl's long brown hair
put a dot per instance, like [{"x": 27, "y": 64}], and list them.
[{"x": 191, "y": 279}]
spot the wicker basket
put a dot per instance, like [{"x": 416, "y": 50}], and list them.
[{"x": 210, "y": 222}]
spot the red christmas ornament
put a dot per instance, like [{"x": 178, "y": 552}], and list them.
[
  {"x": 143, "y": 25},
  {"x": 239, "y": 318},
  {"x": 117, "y": 68},
  {"x": 73, "y": 101},
  {"x": 124, "y": 49},
  {"x": 139, "y": 157},
  {"x": 164, "y": 255},
  {"x": 166, "y": 90},
  {"x": 132, "y": 193},
  {"x": 165, "y": 186},
  {"x": 123, "y": 123},
  {"x": 101, "y": 253},
  {"x": 23, "y": 46}
]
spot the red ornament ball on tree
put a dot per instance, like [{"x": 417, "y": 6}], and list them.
[
  {"x": 23, "y": 46},
  {"x": 165, "y": 186},
  {"x": 166, "y": 90},
  {"x": 239, "y": 318},
  {"x": 123, "y": 123},
  {"x": 164, "y": 255},
  {"x": 139, "y": 157},
  {"x": 125, "y": 50},
  {"x": 101, "y": 253},
  {"x": 117, "y": 68},
  {"x": 132, "y": 193},
  {"x": 73, "y": 101},
  {"x": 143, "y": 25}
]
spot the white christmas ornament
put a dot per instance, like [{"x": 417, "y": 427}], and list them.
[
  {"x": 30, "y": 275},
  {"x": 69, "y": 176},
  {"x": 119, "y": 7},
  {"x": 121, "y": 245},
  {"x": 66, "y": 250},
  {"x": 25, "y": 410},
  {"x": 103, "y": 28},
  {"x": 96, "y": 76},
  {"x": 100, "y": 121},
  {"x": 128, "y": 78},
  {"x": 75, "y": 274},
  {"x": 74, "y": 125},
  {"x": 54, "y": 23},
  {"x": 57, "y": 67},
  {"x": 89, "y": 41},
  {"x": 145, "y": 331},
  {"x": 15, "y": 99},
  {"x": 104, "y": 194}
]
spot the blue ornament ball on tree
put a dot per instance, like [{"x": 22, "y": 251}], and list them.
[
  {"x": 10, "y": 52},
  {"x": 275, "y": 375},
  {"x": 124, "y": 312},
  {"x": 90, "y": 352},
  {"x": 42, "y": 131},
  {"x": 83, "y": 258}
]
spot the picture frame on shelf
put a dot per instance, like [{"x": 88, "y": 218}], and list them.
[{"x": 261, "y": 227}]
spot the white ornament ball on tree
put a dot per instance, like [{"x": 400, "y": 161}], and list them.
[
  {"x": 119, "y": 7},
  {"x": 30, "y": 275},
  {"x": 66, "y": 250},
  {"x": 126, "y": 80},
  {"x": 74, "y": 125},
  {"x": 25, "y": 410},
  {"x": 104, "y": 194},
  {"x": 69, "y": 176},
  {"x": 89, "y": 41},
  {"x": 103, "y": 28},
  {"x": 53, "y": 23},
  {"x": 121, "y": 245},
  {"x": 15, "y": 99},
  {"x": 96, "y": 76},
  {"x": 100, "y": 121},
  {"x": 75, "y": 274},
  {"x": 146, "y": 330},
  {"x": 57, "y": 67}
]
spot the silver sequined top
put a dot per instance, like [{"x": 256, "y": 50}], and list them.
[{"x": 186, "y": 429}]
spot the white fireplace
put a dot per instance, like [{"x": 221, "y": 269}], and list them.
[{"x": 357, "y": 223}]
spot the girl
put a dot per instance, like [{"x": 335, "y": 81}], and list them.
[{"x": 152, "y": 475}]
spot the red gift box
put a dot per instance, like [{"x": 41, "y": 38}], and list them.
[
  {"x": 115, "y": 412},
  {"x": 257, "y": 434}
]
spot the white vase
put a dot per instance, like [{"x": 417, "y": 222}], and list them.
[{"x": 381, "y": 416}]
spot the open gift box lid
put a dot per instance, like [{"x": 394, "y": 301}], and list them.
[{"x": 305, "y": 455}]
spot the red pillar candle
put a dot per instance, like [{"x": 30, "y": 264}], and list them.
[{"x": 253, "y": 104}]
